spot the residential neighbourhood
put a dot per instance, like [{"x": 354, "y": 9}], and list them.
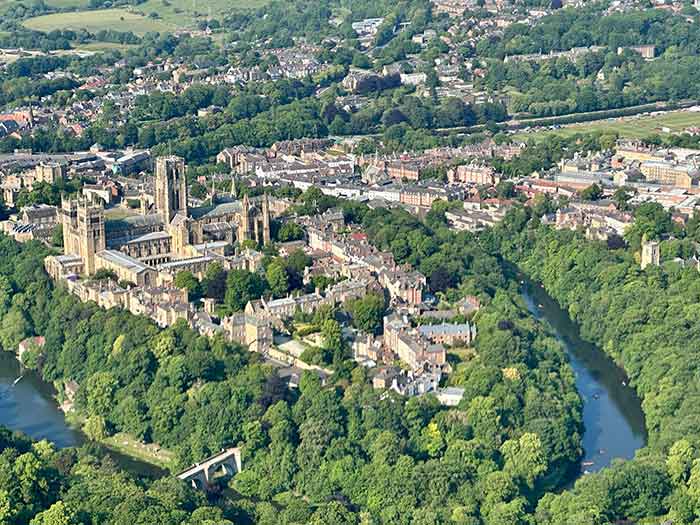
[{"x": 284, "y": 262}]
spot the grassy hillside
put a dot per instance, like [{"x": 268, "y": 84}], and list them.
[
  {"x": 173, "y": 14},
  {"x": 117, "y": 19}
]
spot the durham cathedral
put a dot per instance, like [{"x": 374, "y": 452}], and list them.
[{"x": 166, "y": 237}]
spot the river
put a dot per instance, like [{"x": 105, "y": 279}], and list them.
[
  {"x": 29, "y": 407},
  {"x": 612, "y": 414},
  {"x": 614, "y": 425}
]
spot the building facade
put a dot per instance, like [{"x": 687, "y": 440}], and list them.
[{"x": 171, "y": 187}]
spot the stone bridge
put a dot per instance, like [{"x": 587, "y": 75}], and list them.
[{"x": 200, "y": 475}]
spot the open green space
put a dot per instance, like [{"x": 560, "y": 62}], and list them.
[
  {"x": 629, "y": 127},
  {"x": 58, "y": 4},
  {"x": 101, "y": 19},
  {"x": 117, "y": 213},
  {"x": 172, "y": 14}
]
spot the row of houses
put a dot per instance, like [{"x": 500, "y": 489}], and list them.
[{"x": 403, "y": 284}]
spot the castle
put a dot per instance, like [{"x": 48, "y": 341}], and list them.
[{"x": 171, "y": 237}]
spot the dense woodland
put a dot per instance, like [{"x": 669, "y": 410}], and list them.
[
  {"x": 45, "y": 486},
  {"x": 646, "y": 321},
  {"x": 490, "y": 460},
  {"x": 341, "y": 453},
  {"x": 352, "y": 454}
]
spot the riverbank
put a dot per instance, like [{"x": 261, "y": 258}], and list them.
[
  {"x": 127, "y": 445},
  {"x": 149, "y": 453},
  {"x": 613, "y": 420},
  {"x": 644, "y": 320},
  {"x": 30, "y": 406}
]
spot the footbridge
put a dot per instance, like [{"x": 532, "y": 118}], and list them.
[{"x": 201, "y": 475}]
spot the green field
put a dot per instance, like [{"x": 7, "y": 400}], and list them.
[
  {"x": 117, "y": 19},
  {"x": 628, "y": 127},
  {"x": 173, "y": 14}
]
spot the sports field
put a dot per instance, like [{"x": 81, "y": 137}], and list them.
[{"x": 635, "y": 127}]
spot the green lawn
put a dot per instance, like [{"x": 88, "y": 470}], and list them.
[
  {"x": 628, "y": 127},
  {"x": 117, "y": 19},
  {"x": 118, "y": 213},
  {"x": 151, "y": 453}
]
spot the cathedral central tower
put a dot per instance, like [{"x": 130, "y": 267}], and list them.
[{"x": 171, "y": 187}]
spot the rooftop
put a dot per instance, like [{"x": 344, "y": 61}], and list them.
[{"x": 121, "y": 259}]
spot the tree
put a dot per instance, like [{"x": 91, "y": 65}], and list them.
[
  {"x": 163, "y": 345},
  {"x": 187, "y": 281},
  {"x": 485, "y": 420},
  {"x": 651, "y": 221},
  {"x": 525, "y": 458},
  {"x": 13, "y": 329},
  {"x": 242, "y": 286},
  {"x": 277, "y": 278},
  {"x": 679, "y": 461},
  {"x": 100, "y": 387},
  {"x": 431, "y": 440},
  {"x": 333, "y": 513},
  {"x": 511, "y": 513},
  {"x": 505, "y": 189},
  {"x": 332, "y": 335},
  {"x": 95, "y": 428},
  {"x": 621, "y": 198},
  {"x": 298, "y": 261},
  {"x": 5, "y": 294},
  {"x": 214, "y": 282},
  {"x": 386, "y": 448},
  {"x": 367, "y": 312},
  {"x": 7, "y": 510},
  {"x": 57, "y": 236},
  {"x": 57, "y": 514},
  {"x": 130, "y": 416},
  {"x": 694, "y": 485},
  {"x": 104, "y": 273},
  {"x": 29, "y": 478},
  {"x": 441, "y": 279},
  {"x": 592, "y": 193},
  {"x": 290, "y": 231}
]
